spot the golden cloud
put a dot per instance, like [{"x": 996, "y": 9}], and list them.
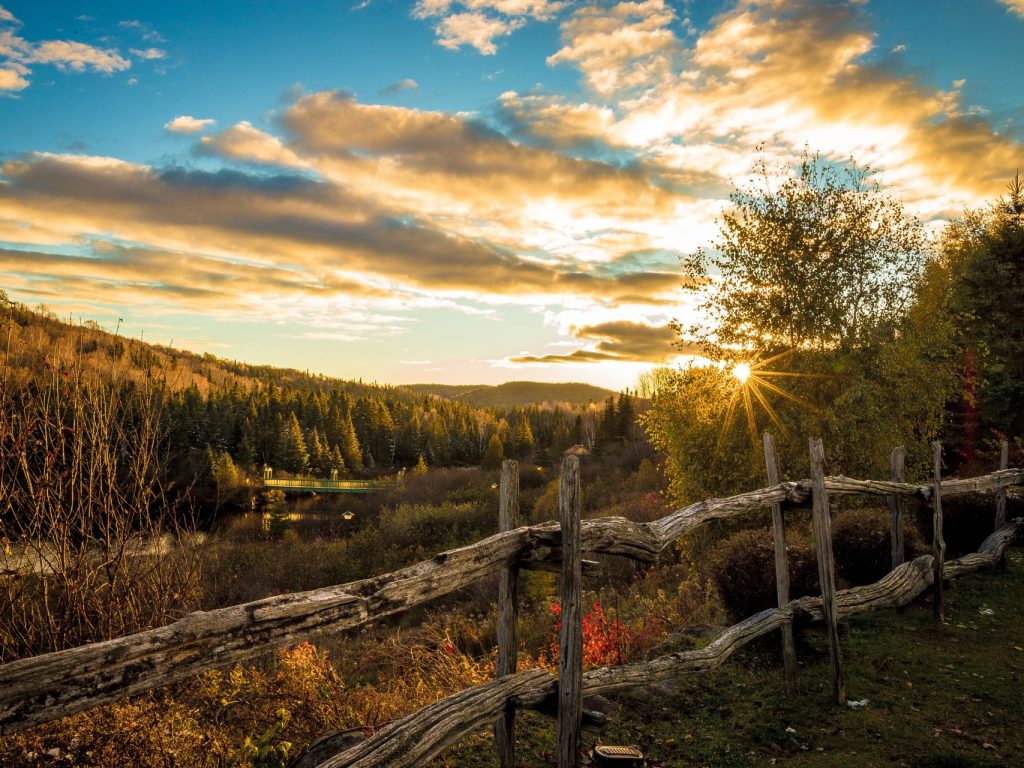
[{"x": 619, "y": 341}]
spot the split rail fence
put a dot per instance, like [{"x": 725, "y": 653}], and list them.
[{"x": 50, "y": 686}]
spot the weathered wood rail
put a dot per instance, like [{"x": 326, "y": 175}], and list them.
[{"x": 54, "y": 685}]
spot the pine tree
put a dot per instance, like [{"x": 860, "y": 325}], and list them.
[
  {"x": 349, "y": 445},
  {"x": 494, "y": 454},
  {"x": 294, "y": 454}
]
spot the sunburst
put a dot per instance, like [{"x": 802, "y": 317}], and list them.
[{"x": 752, "y": 380}]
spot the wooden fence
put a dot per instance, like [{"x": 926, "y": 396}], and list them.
[{"x": 47, "y": 687}]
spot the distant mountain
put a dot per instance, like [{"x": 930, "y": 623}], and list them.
[{"x": 515, "y": 394}]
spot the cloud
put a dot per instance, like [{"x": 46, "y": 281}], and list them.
[
  {"x": 1014, "y": 6},
  {"x": 188, "y": 124},
  {"x": 11, "y": 80},
  {"x": 479, "y": 23},
  {"x": 18, "y": 54},
  {"x": 618, "y": 341},
  {"x": 246, "y": 143},
  {"x": 402, "y": 85},
  {"x": 476, "y": 30},
  {"x": 148, "y": 54},
  {"x": 78, "y": 57},
  {"x": 620, "y": 47}
]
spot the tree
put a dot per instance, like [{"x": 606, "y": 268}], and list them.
[
  {"x": 983, "y": 258},
  {"x": 821, "y": 258},
  {"x": 494, "y": 454},
  {"x": 815, "y": 282},
  {"x": 294, "y": 454}
]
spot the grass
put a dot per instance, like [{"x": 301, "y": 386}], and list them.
[{"x": 939, "y": 696}]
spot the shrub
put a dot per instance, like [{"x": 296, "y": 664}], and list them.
[
  {"x": 862, "y": 547},
  {"x": 743, "y": 570},
  {"x": 967, "y": 520}
]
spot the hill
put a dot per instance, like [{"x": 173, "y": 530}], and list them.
[{"x": 516, "y": 394}]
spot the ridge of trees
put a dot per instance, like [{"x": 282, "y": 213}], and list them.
[{"x": 224, "y": 417}]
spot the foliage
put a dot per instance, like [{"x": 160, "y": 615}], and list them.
[
  {"x": 93, "y": 546},
  {"x": 983, "y": 270},
  {"x": 815, "y": 282},
  {"x": 743, "y": 570},
  {"x": 861, "y": 543},
  {"x": 822, "y": 258}
]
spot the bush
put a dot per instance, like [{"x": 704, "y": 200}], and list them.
[
  {"x": 862, "y": 547},
  {"x": 967, "y": 520},
  {"x": 743, "y": 570}
]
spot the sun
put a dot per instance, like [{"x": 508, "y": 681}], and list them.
[{"x": 752, "y": 382}]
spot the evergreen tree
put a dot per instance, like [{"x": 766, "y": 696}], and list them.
[
  {"x": 494, "y": 455},
  {"x": 349, "y": 445},
  {"x": 294, "y": 454}
]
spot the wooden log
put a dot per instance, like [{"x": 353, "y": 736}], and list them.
[
  {"x": 938, "y": 543},
  {"x": 896, "y": 464},
  {"x": 54, "y": 685},
  {"x": 1004, "y": 459},
  {"x": 826, "y": 566},
  {"x": 416, "y": 738},
  {"x": 990, "y": 554},
  {"x": 508, "y": 601},
  {"x": 420, "y": 736},
  {"x": 771, "y": 460},
  {"x": 570, "y": 634}
]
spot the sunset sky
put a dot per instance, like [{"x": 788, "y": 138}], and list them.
[{"x": 461, "y": 192}]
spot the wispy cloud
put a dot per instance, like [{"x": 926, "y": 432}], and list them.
[
  {"x": 148, "y": 54},
  {"x": 480, "y": 23},
  {"x": 18, "y": 55},
  {"x": 402, "y": 85},
  {"x": 1014, "y": 6},
  {"x": 618, "y": 341}
]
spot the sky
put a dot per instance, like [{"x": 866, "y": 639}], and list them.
[{"x": 469, "y": 191}]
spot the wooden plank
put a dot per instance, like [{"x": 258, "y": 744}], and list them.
[
  {"x": 771, "y": 460},
  {"x": 508, "y": 594},
  {"x": 938, "y": 542},
  {"x": 897, "y": 460},
  {"x": 1004, "y": 459},
  {"x": 570, "y": 634},
  {"x": 826, "y": 565}
]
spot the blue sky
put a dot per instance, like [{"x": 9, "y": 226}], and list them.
[{"x": 450, "y": 191}]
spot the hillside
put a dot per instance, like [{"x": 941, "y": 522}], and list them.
[
  {"x": 33, "y": 339},
  {"x": 515, "y": 394}
]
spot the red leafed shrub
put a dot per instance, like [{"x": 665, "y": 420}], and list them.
[{"x": 606, "y": 641}]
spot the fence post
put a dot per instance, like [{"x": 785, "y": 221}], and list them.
[
  {"x": 570, "y": 634},
  {"x": 508, "y": 592},
  {"x": 1004, "y": 462},
  {"x": 771, "y": 460},
  {"x": 826, "y": 565},
  {"x": 896, "y": 463},
  {"x": 938, "y": 543}
]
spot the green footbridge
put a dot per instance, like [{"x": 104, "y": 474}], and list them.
[{"x": 331, "y": 485}]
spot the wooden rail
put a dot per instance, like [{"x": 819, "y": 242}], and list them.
[
  {"x": 418, "y": 737},
  {"x": 54, "y": 685}
]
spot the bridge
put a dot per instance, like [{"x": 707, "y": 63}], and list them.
[{"x": 330, "y": 485}]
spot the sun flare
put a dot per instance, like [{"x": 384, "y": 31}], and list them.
[{"x": 753, "y": 387}]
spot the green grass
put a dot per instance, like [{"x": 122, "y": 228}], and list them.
[{"x": 940, "y": 696}]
